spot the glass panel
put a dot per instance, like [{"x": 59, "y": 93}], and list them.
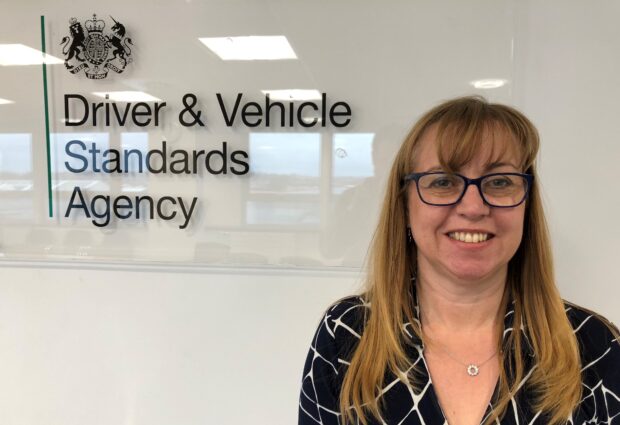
[{"x": 288, "y": 145}]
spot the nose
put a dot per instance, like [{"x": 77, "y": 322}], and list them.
[{"x": 472, "y": 204}]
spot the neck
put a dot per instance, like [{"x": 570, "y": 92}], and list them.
[{"x": 464, "y": 307}]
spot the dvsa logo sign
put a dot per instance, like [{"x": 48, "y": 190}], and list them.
[{"x": 89, "y": 48}]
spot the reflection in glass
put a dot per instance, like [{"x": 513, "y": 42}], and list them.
[
  {"x": 352, "y": 160},
  {"x": 20, "y": 54},
  {"x": 127, "y": 96},
  {"x": 359, "y": 167},
  {"x": 15, "y": 154},
  {"x": 284, "y": 185},
  {"x": 134, "y": 181},
  {"x": 16, "y": 177},
  {"x": 285, "y": 163},
  {"x": 274, "y": 47},
  {"x": 489, "y": 83},
  {"x": 293, "y": 94},
  {"x": 282, "y": 212}
]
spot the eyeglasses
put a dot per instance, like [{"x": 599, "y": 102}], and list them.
[{"x": 501, "y": 190}]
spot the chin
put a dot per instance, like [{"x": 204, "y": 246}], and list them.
[
  {"x": 469, "y": 277},
  {"x": 472, "y": 274}
]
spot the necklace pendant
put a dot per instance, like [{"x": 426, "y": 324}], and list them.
[{"x": 472, "y": 370}]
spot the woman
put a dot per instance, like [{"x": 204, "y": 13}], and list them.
[{"x": 460, "y": 321}]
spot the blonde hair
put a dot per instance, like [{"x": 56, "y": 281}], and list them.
[{"x": 556, "y": 380}]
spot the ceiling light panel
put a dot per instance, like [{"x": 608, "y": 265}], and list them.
[
  {"x": 127, "y": 96},
  {"x": 254, "y": 47},
  {"x": 19, "y": 54},
  {"x": 293, "y": 94}
]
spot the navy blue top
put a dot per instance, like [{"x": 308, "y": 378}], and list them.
[{"x": 340, "y": 330}]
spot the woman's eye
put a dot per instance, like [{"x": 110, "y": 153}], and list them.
[
  {"x": 442, "y": 183},
  {"x": 500, "y": 183}
]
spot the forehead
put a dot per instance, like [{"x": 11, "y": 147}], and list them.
[{"x": 451, "y": 151}]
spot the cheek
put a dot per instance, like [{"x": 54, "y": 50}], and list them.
[
  {"x": 425, "y": 220},
  {"x": 512, "y": 225}
]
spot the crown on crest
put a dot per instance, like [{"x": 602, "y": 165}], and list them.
[{"x": 94, "y": 25}]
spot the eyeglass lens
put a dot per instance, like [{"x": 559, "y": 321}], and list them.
[{"x": 498, "y": 190}]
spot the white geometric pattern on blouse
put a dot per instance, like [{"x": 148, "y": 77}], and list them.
[{"x": 324, "y": 370}]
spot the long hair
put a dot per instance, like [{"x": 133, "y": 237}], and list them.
[{"x": 556, "y": 380}]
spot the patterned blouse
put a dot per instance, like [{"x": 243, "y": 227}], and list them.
[{"x": 342, "y": 325}]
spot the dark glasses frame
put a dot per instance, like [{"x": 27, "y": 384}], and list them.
[{"x": 476, "y": 182}]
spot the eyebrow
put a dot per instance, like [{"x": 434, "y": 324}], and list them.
[{"x": 489, "y": 167}]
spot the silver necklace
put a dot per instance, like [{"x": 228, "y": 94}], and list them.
[{"x": 473, "y": 369}]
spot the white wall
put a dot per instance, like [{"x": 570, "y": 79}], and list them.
[
  {"x": 566, "y": 67},
  {"x": 89, "y": 345}
]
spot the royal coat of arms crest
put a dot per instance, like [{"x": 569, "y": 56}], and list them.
[{"x": 88, "y": 48}]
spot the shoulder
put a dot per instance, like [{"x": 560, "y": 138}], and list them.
[
  {"x": 596, "y": 339},
  {"x": 335, "y": 339},
  {"x": 348, "y": 309},
  {"x": 337, "y": 334},
  {"x": 600, "y": 356},
  {"x": 344, "y": 319},
  {"x": 589, "y": 325},
  {"x": 341, "y": 328}
]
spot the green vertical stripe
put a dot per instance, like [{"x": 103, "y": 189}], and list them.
[{"x": 47, "y": 122}]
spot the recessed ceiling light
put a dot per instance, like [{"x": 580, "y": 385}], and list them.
[
  {"x": 127, "y": 96},
  {"x": 489, "y": 83},
  {"x": 293, "y": 94},
  {"x": 254, "y": 47},
  {"x": 19, "y": 54},
  {"x": 5, "y": 101}
]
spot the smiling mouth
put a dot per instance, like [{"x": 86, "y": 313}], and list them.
[{"x": 470, "y": 237}]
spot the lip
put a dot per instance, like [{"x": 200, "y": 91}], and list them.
[{"x": 470, "y": 231}]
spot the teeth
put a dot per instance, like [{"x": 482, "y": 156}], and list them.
[{"x": 469, "y": 237}]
